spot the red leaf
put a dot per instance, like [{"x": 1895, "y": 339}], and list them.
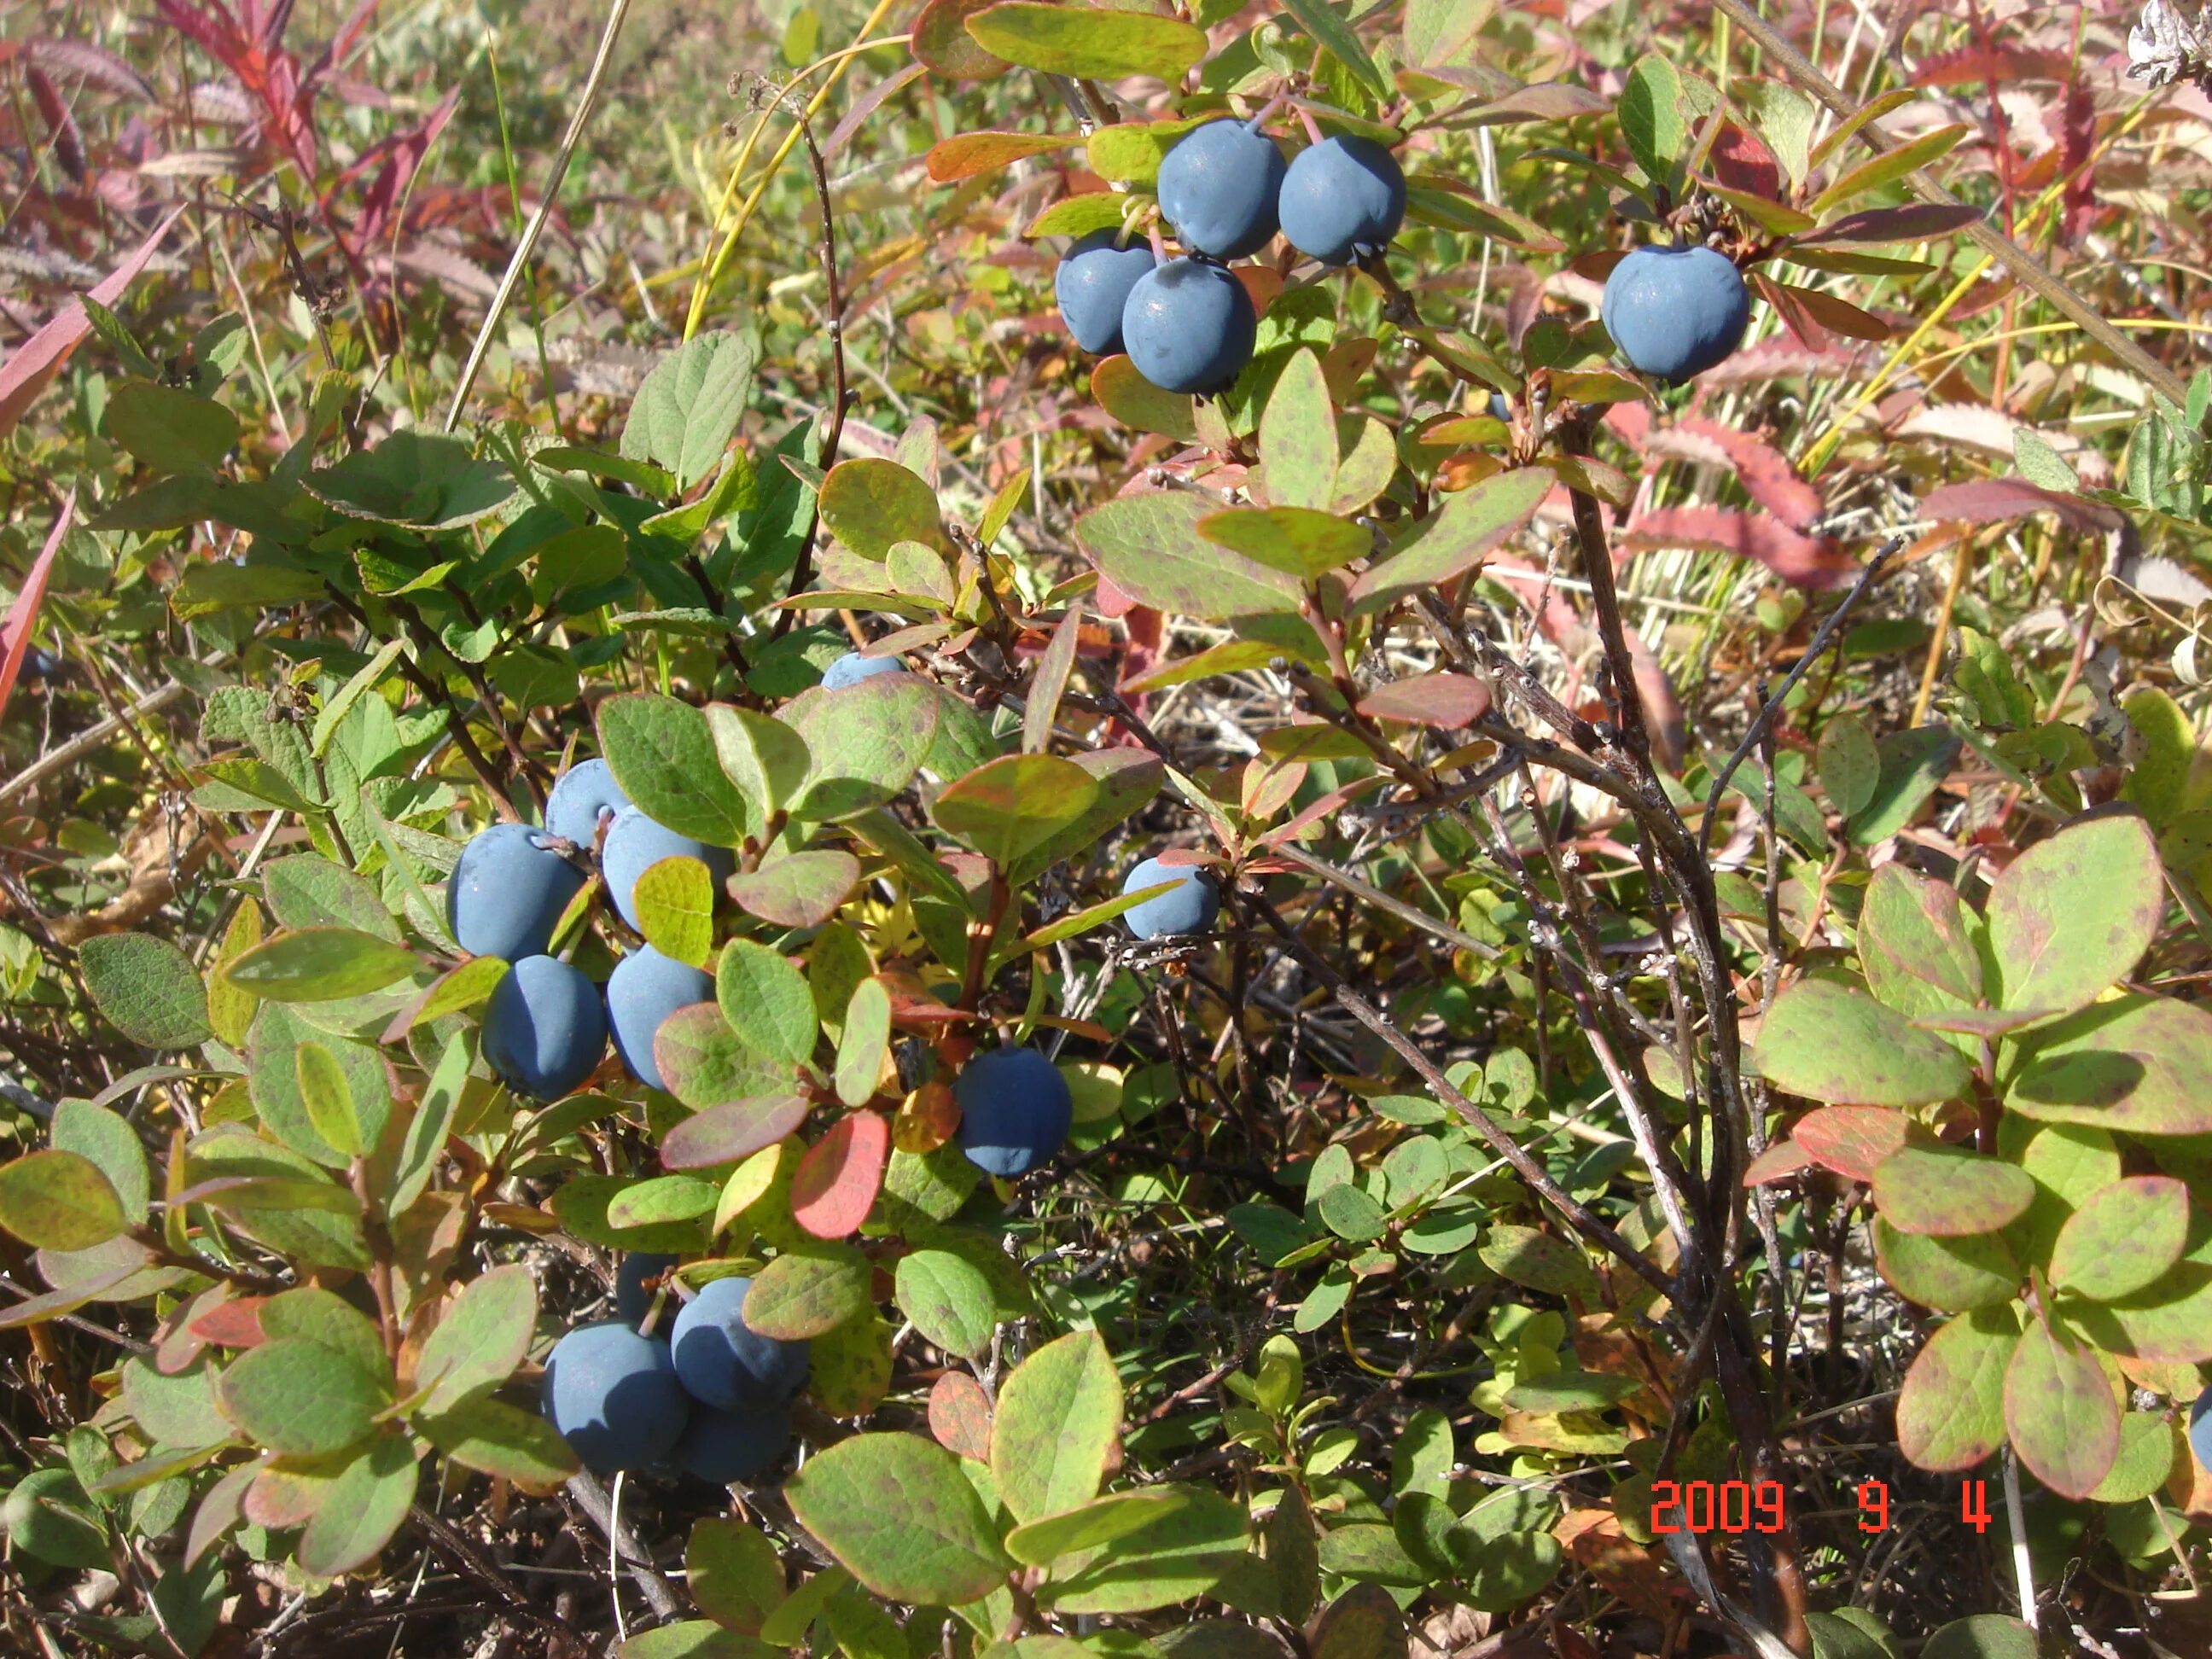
[
  {"x": 234, "y": 1323},
  {"x": 396, "y": 159},
  {"x": 2078, "y": 158},
  {"x": 1837, "y": 316},
  {"x": 1851, "y": 1139},
  {"x": 1997, "y": 500},
  {"x": 960, "y": 1415},
  {"x": 1767, "y": 476},
  {"x": 735, "y": 1129},
  {"x": 68, "y": 142},
  {"x": 836, "y": 1182},
  {"x": 1799, "y": 560},
  {"x": 1443, "y": 701},
  {"x": 35, "y": 363},
  {"x": 1789, "y": 304},
  {"x": 1777, "y": 1162},
  {"x": 2002, "y": 65},
  {"x": 23, "y": 614},
  {"x": 1916, "y": 222},
  {"x": 1742, "y": 160}
]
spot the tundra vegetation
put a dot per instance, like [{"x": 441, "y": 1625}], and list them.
[{"x": 1175, "y": 830}]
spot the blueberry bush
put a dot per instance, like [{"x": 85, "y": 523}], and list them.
[{"x": 1175, "y": 831}]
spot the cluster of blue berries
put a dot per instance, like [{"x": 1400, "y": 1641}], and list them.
[
  {"x": 1187, "y": 323},
  {"x": 547, "y": 1026},
  {"x": 711, "y": 1400}
]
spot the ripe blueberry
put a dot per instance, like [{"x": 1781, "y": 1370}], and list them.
[
  {"x": 1092, "y": 285},
  {"x": 2200, "y": 1428},
  {"x": 506, "y": 891},
  {"x": 1015, "y": 1110},
  {"x": 1189, "y": 326},
  {"x": 1189, "y": 908},
  {"x": 580, "y": 796},
  {"x": 543, "y": 1029},
  {"x": 634, "y": 843},
  {"x": 720, "y": 1447},
  {"x": 1342, "y": 199},
  {"x": 724, "y": 1362},
  {"x": 613, "y": 1396},
  {"x": 852, "y": 668},
  {"x": 632, "y": 1300},
  {"x": 1218, "y": 186},
  {"x": 1675, "y": 313},
  {"x": 644, "y": 989}
]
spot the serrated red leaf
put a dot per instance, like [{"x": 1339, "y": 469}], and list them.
[
  {"x": 1799, "y": 560},
  {"x": 1768, "y": 478},
  {"x": 960, "y": 1415},
  {"x": 1851, "y": 1139},
  {"x": 836, "y": 1182},
  {"x": 1997, "y": 500}
]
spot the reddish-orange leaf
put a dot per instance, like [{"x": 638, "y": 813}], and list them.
[
  {"x": 960, "y": 1415},
  {"x": 838, "y": 1178},
  {"x": 1852, "y": 1139}
]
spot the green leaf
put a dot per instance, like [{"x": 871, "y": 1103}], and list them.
[
  {"x": 1912, "y": 764},
  {"x": 273, "y": 1082},
  {"x": 171, "y": 429},
  {"x": 59, "y": 1201},
  {"x": 1454, "y": 539},
  {"x": 1087, "y": 41},
  {"x": 2123, "y": 1239},
  {"x": 174, "y": 1410},
  {"x": 2146, "y": 1458},
  {"x": 1057, "y": 1418},
  {"x": 1950, "y": 1414},
  {"x": 706, "y": 1064},
  {"x": 660, "y": 1199},
  {"x": 1651, "y": 110},
  {"x": 1914, "y": 944},
  {"x": 1949, "y": 1191},
  {"x": 1185, "y": 1553},
  {"x": 103, "y": 1137},
  {"x": 494, "y": 1438},
  {"x": 688, "y": 407},
  {"x": 319, "y": 964},
  {"x": 675, "y": 904},
  {"x": 2035, "y": 460},
  {"x": 340, "y": 702},
  {"x": 1362, "y": 1623},
  {"x": 1848, "y": 764},
  {"x": 307, "y": 891},
  {"x": 1013, "y": 805},
  {"x": 732, "y": 1570},
  {"x": 1827, "y": 1042},
  {"x": 765, "y": 758},
  {"x": 897, "y": 1513},
  {"x": 1148, "y": 545},
  {"x": 1984, "y": 1636},
  {"x": 810, "y": 1292},
  {"x": 949, "y": 1301},
  {"x": 1952, "y": 1274},
  {"x": 314, "y": 1315},
  {"x": 1128, "y": 779},
  {"x": 427, "y": 1130},
  {"x": 1298, "y": 438},
  {"x": 327, "y": 1098},
  {"x": 2158, "y": 783},
  {"x": 869, "y": 503},
  {"x": 1537, "y": 1259},
  {"x": 480, "y": 1339},
  {"x": 207, "y": 588},
  {"x": 48, "y": 1516},
  {"x": 801, "y": 890},
  {"x": 148, "y": 988},
  {"x": 418, "y": 480},
  {"x": 1887, "y": 167},
  {"x": 301, "y": 1399},
  {"x": 1040, "y": 1543},
  {"x": 2134, "y": 1064},
  {"x": 866, "y": 743},
  {"x": 1502, "y": 1571},
  {"x": 2075, "y": 912},
  {"x": 662, "y": 754},
  {"x": 766, "y": 1001},
  {"x": 361, "y": 1509},
  {"x": 260, "y": 781},
  {"x": 2060, "y": 1412},
  {"x": 694, "y": 1638},
  {"x": 863, "y": 1042},
  {"x": 1370, "y": 1552},
  {"x": 1296, "y": 540},
  {"x": 1321, "y": 21}
]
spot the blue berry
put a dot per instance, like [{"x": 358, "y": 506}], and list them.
[
  {"x": 632, "y": 1300},
  {"x": 1189, "y": 908},
  {"x": 1092, "y": 285},
  {"x": 724, "y": 1362},
  {"x": 852, "y": 668},
  {"x": 507, "y": 892},
  {"x": 613, "y": 1396},
  {"x": 634, "y": 843},
  {"x": 1219, "y": 187},
  {"x": 543, "y": 1030},
  {"x": 580, "y": 796},
  {"x": 1675, "y": 313},
  {"x": 720, "y": 1447},
  {"x": 1189, "y": 326},
  {"x": 1015, "y": 1110},
  {"x": 644, "y": 989},
  {"x": 1342, "y": 199},
  {"x": 2200, "y": 1428}
]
